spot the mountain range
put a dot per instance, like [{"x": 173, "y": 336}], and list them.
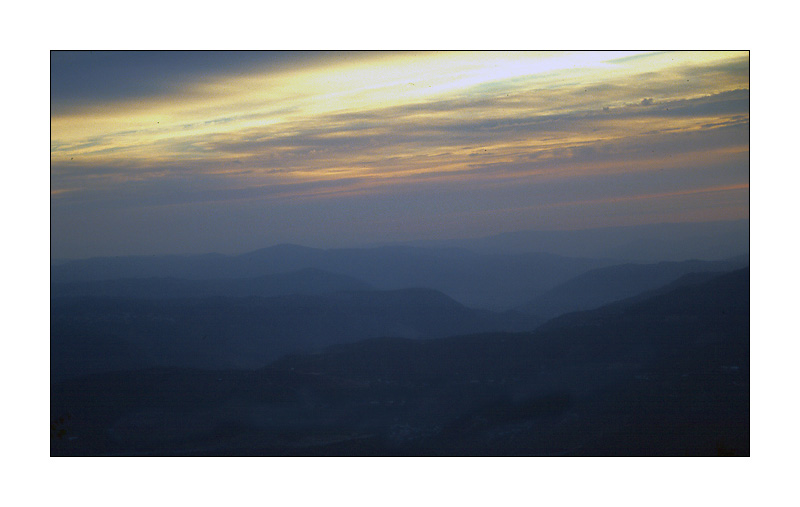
[
  {"x": 129, "y": 323},
  {"x": 605, "y": 285},
  {"x": 93, "y": 334},
  {"x": 531, "y": 343},
  {"x": 659, "y": 374},
  {"x": 497, "y": 273},
  {"x": 492, "y": 281}
]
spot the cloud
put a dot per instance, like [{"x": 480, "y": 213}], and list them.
[{"x": 357, "y": 131}]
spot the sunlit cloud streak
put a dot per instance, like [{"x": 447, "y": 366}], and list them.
[{"x": 333, "y": 126}]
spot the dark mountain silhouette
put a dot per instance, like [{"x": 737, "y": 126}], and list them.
[
  {"x": 91, "y": 334},
  {"x": 666, "y": 374},
  {"x": 305, "y": 281},
  {"x": 496, "y": 282},
  {"x": 602, "y": 286}
]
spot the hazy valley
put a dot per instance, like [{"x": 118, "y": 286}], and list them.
[{"x": 403, "y": 350}]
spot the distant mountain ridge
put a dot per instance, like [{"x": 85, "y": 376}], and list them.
[
  {"x": 605, "y": 285},
  {"x": 490, "y": 281},
  {"x": 304, "y": 281},
  {"x": 638, "y": 243},
  {"x": 499, "y": 272}
]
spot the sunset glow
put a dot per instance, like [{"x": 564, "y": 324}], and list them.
[{"x": 385, "y": 146}]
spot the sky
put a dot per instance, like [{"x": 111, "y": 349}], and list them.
[{"x": 193, "y": 152}]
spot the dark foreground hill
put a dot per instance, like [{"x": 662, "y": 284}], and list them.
[
  {"x": 662, "y": 375},
  {"x": 95, "y": 334}
]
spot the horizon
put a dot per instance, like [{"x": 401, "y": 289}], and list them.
[
  {"x": 419, "y": 243},
  {"x": 158, "y": 153}
]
